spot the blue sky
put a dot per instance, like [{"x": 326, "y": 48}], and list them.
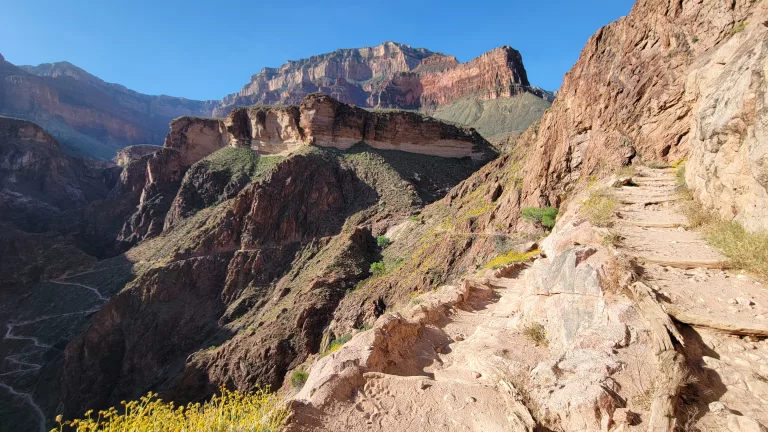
[{"x": 205, "y": 49}]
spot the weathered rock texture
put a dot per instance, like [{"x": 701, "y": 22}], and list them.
[
  {"x": 728, "y": 164},
  {"x": 389, "y": 75},
  {"x": 325, "y": 122},
  {"x": 88, "y": 115},
  {"x": 629, "y": 96},
  {"x": 131, "y": 153}
]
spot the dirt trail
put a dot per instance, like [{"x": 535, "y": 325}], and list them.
[
  {"x": 459, "y": 379},
  {"x": 727, "y": 310}
]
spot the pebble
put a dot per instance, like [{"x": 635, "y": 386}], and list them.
[
  {"x": 476, "y": 375},
  {"x": 717, "y": 407},
  {"x": 449, "y": 397},
  {"x": 470, "y": 399},
  {"x": 424, "y": 384},
  {"x": 744, "y": 301}
]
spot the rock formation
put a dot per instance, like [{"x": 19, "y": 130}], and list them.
[
  {"x": 389, "y": 75},
  {"x": 644, "y": 87},
  {"x": 94, "y": 118},
  {"x": 325, "y": 122}
]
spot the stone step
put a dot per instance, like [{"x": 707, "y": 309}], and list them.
[
  {"x": 734, "y": 325},
  {"x": 684, "y": 264},
  {"x": 659, "y": 200},
  {"x": 643, "y": 224}
]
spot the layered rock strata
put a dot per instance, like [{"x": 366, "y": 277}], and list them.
[
  {"x": 325, "y": 122},
  {"x": 389, "y": 75}
]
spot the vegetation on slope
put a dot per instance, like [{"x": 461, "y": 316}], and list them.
[
  {"x": 496, "y": 117},
  {"x": 231, "y": 411}
]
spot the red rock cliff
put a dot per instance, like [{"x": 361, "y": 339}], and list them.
[
  {"x": 626, "y": 95},
  {"x": 388, "y": 75}
]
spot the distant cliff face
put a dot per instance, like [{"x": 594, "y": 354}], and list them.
[
  {"x": 94, "y": 118},
  {"x": 86, "y": 114},
  {"x": 390, "y": 75}
]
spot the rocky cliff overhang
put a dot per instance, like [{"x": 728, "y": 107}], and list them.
[{"x": 322, "y": 121}]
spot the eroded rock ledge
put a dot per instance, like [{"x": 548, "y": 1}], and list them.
[{"x": 322, "y": 121}]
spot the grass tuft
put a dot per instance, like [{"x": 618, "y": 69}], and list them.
[
  {"x": 747, "y": 250},
  {"x": 600, "y": 207},
  {"x": 738, "y": 27},
  {"x": 260, "y": 411},
  {"x": 536, "y": 333},
  {"x": 299, "y": 378}
]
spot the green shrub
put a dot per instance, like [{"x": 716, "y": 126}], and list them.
[
  {"x": 545, "y": 216},
  {"x": 738, "y": 27},
  {"x": 747, "y": 250},
  {"x": 414, "y": 218},
  {"x": 299, "y": 378},
  {"x": 378, "y": 268},
  {"x": 383, "y": 241}
]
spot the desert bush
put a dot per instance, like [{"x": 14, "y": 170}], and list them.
[
  {"x": 626, "y": 171},
  {"x": 511, "y": 257},
  {"x": 378, "y": 268},
  {"x": 299, "y": 378},
  {"x": 536, "y": 333},
  {"x": 600, "y": 207},
  {"x": 337, "y": 343},
  {"x": 744, "y": 249},
  {"x": 738, "y": 27},
  {"x": 231, "y": 411},
  {"x": 383, "y": 241},
  {"x": 545, "y": 216}
]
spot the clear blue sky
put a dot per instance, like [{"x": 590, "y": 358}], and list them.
[{"x": 207, "y": 49}]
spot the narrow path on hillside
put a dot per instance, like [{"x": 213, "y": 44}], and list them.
[
  {"x": 458, "y": 374},
  {"x": 36, "y": 349},
  {"x": 727, "y": 310}
]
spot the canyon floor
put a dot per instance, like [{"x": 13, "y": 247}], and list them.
[{"x": 475, "y": 362}]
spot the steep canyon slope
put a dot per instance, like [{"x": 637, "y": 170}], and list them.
[{"x": 239, "y": 242}]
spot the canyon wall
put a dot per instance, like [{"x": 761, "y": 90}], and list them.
[
  {"x": 389, "y": 75},
  {"x": 644, "y": 88}
]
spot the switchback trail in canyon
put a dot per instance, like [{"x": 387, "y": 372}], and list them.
[{"x": 24, "y": 359}]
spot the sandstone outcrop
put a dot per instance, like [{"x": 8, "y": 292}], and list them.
[
  {"x": 129, "y": 154},
  {"x": 322, "y": 121}
]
